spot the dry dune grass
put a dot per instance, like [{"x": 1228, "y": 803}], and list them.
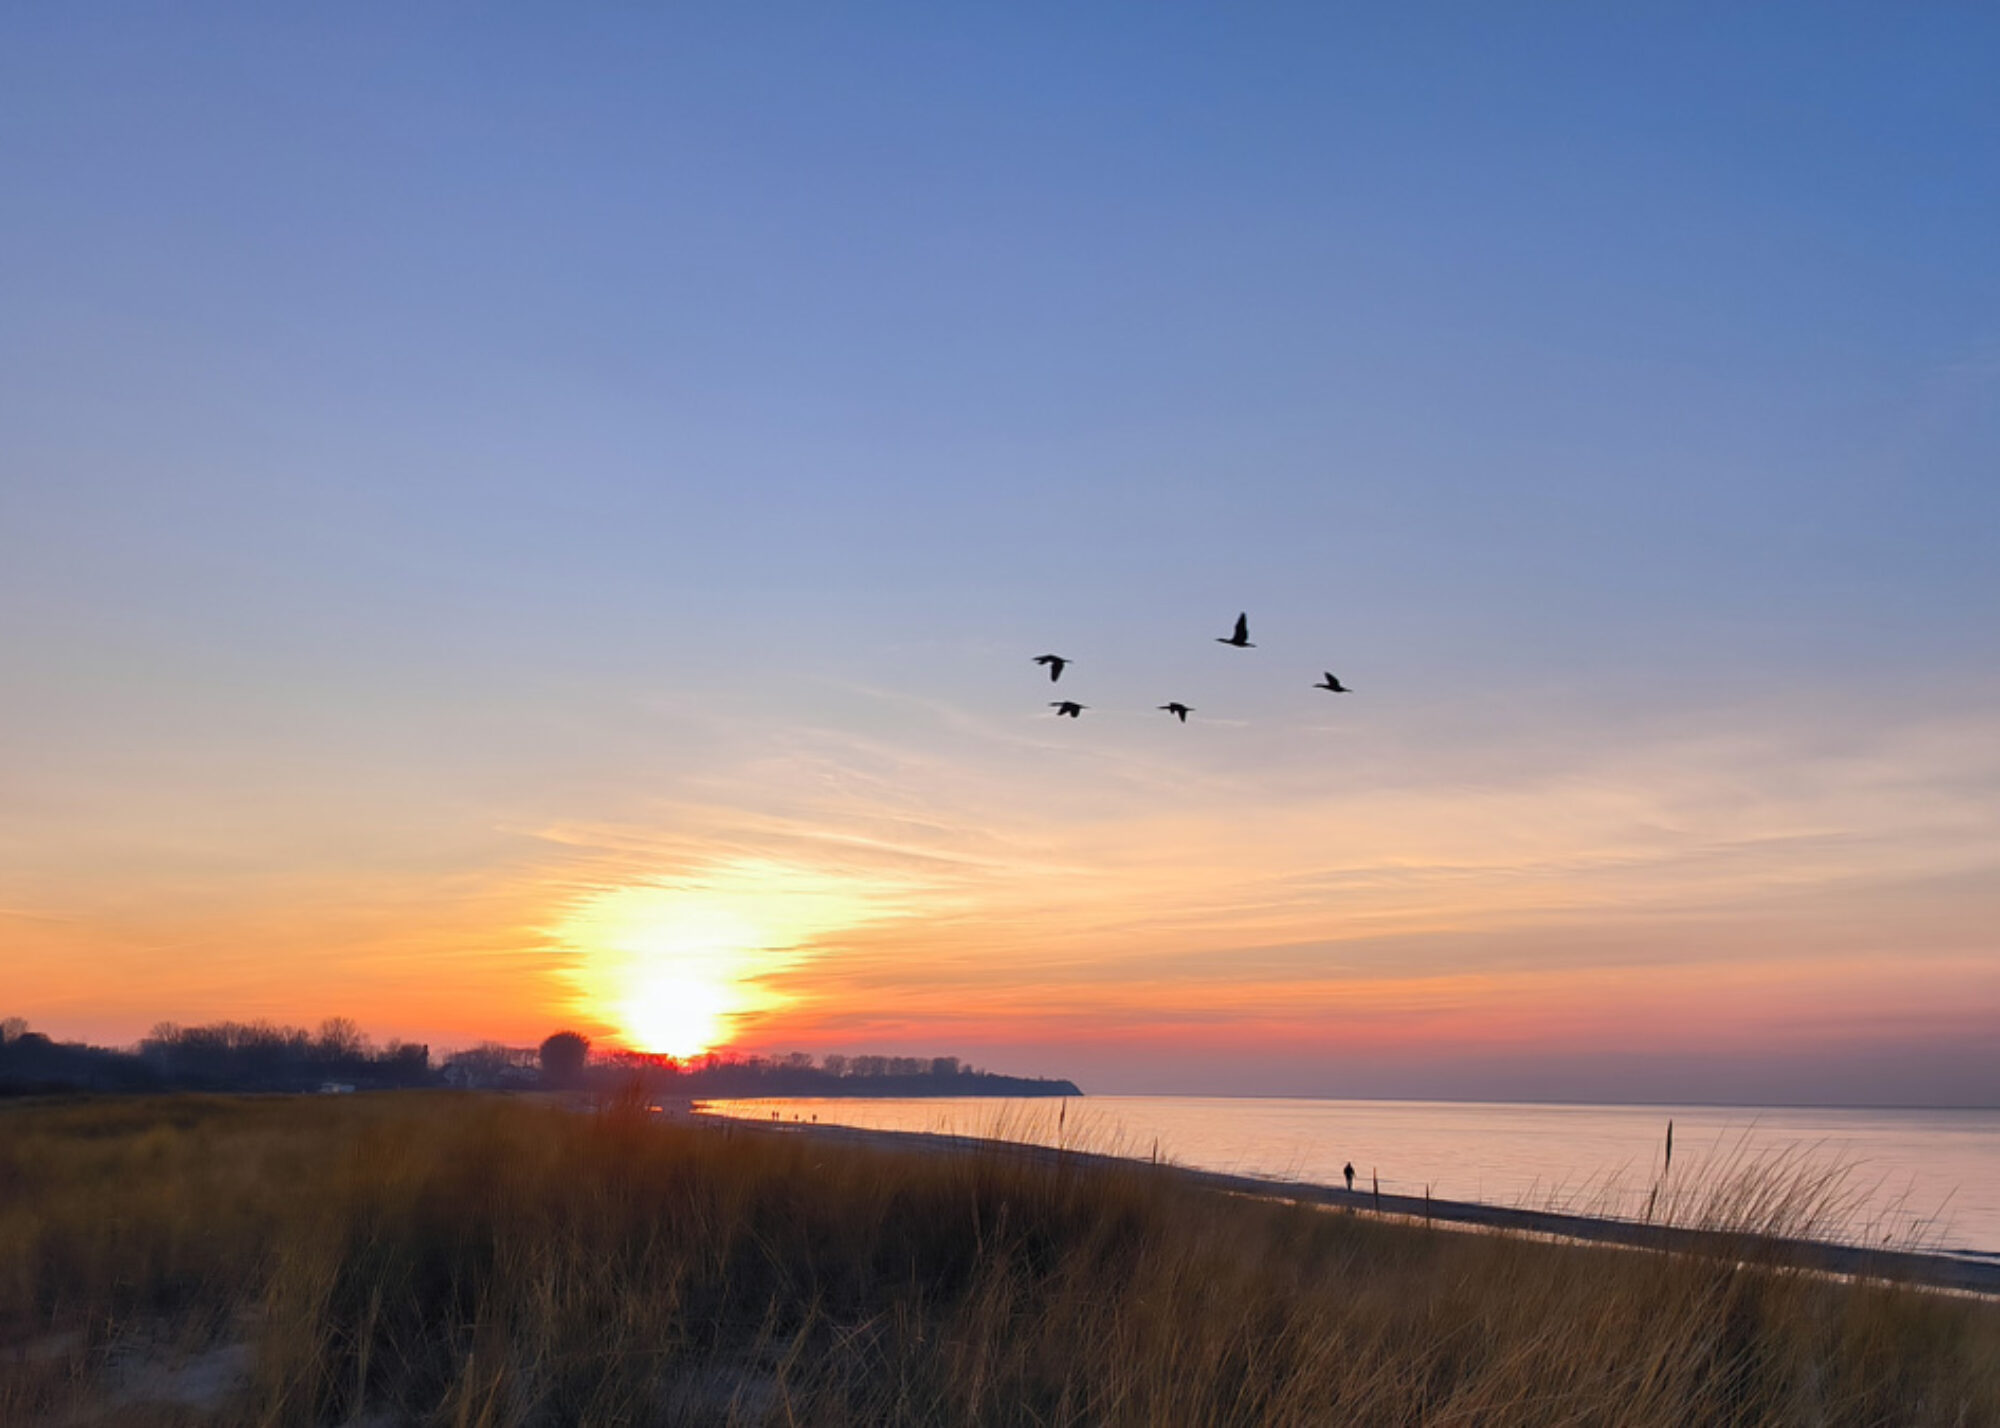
[{"x": 463, "y": 1260}]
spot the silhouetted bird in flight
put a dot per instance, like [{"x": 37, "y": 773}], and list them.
[
  {"x": 1179, "y": 710},
  {"x": 1332, "y": 683},
  {"x": 1056, "y": 664},
  {"x": 1067, "y": 706},
  {"x": 1241, "y": 639}
]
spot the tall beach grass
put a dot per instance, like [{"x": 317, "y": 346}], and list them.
[{"x": 445, "y": 1259}]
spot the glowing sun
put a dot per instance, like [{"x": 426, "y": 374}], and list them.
[{"x": 677, "y": 967}]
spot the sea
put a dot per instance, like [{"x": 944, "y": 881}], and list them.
[{"x": 1915, "y": 1179}]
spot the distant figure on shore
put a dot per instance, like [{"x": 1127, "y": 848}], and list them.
[{"x": 1348, "y": 1171}]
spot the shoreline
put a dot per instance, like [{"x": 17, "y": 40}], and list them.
[{"x": 1968, "y": 1273}]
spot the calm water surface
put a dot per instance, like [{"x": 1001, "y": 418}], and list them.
[{"x": 1928, "y": 1176}]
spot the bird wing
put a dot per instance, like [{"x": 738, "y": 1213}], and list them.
[{"x": 1243, "y": 626}]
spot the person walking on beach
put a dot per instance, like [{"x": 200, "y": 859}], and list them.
[{"x": 1348, "y": 1171}]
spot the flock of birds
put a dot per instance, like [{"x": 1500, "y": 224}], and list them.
[{"x": 1240, "y": 638}]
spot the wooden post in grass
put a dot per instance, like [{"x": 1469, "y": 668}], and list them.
[{"x": 1376, "y": 1178}]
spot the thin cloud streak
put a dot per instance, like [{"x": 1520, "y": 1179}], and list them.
[{"x": 1256, "y": 911}]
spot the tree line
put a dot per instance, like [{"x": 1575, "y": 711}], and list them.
[
  {"x": 221, "y": 1056},
  {"x": 261, "y": 1056},
  {"x": 798, "y": 1074}
]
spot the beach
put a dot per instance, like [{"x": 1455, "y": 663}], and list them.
[
  {"x": 1773, "y": 1241},
  {"x": 1923, "y": 1179}
]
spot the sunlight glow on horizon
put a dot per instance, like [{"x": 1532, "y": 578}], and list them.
[{"x": 675, "y": 968}]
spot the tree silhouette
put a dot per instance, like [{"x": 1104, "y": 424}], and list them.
[
  {"x": 339, "y": 1036},
  {"x": 563, "y": 1056}
]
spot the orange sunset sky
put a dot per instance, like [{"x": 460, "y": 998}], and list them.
[{"x": 548, "y": 527}]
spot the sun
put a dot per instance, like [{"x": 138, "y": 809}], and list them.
[
  {"x": 671, "y": 968},
  {"x": 668, "y": 1013},
  {"x": 676, "y": 968}
]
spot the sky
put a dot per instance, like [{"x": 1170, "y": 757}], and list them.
[{"x": 516, "y": 517}]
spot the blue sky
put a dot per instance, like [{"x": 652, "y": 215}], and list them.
[{"x": 421, "y": 432}]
